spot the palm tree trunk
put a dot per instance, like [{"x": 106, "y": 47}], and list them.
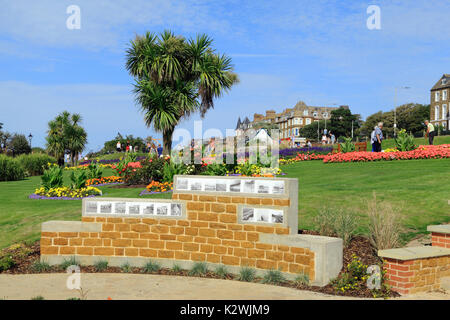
[{"x": 167, "y": 141}]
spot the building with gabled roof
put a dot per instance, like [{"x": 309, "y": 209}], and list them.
[{"x": 440, "y": 102}]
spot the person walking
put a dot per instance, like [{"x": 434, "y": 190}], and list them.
[
  {"x": 372, "y": 138},
  {"x": 118, "y": 146},
  {"x": 430, "y": 132},
  {"x": 333, "y": 138},
  {"x": 378, "y": 137}
]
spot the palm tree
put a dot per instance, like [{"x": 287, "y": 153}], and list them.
[
  {"x": 175, "y": 78},
  {"x": 65, "y": 134}
]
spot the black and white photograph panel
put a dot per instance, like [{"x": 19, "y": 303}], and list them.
[
  {"x": 120, "y": 207},
  {"x": 278, "y": 187},
  {"x": 134, "y": 208},
  {"x": 175, "y": 209},
  {"x": 148, "y": 208},
  {"x": 248, "y": 214},
  {"x": 262, "y": 186},
  {"x": 105, "y": 207},
  {"x": 210, "y": 184},
  {"x": 196, "y": 185},
  {"x": 182, "y": 184},
  {"x": 91, "y": 207},
  {"x": 221, "y": 185},
  {"x": 162, "y": 209},
  {"x": 235, "y": 185},
  {"x": 249, "y": 186}
]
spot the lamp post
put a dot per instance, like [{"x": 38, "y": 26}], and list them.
[
  {"x": 395, "y": 108},
  {"x": 30, "y": 136}
]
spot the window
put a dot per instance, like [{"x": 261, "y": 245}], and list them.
[
  {"x": 444, "y": 95},
  {"x": 436, "y": 113},
  {"x": 325, "y": 114},
  {"x": 436, "y": 96},
  {"x": 308, "y": 120},
  {"x": 301, "y": 120},
  {"x": 315, "y": 114},
  {"x": 305, "y": 112},
  {"x": 444, "y": 112},
  {"x": 296, "y": 132}
]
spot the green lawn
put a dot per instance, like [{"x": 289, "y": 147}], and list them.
[{"x": 419, "y": 188}]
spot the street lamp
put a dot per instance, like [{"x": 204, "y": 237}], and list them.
[
  {"x": 30, "y": 136},
  {"x": 395, "y": 107}
]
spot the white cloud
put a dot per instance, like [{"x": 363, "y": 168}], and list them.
[{"x": 104, "y": 23}]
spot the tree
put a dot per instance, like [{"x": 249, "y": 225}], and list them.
[
  {"x": 310, "y": 131},
  {"x": 66, "y": 135},
  {"x": 342, "y": 121},
  {"x": 19, "y": 145},
  {"x": 175, "y": 77}
]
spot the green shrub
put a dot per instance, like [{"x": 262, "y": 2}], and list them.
[
  {"x": 52, "y": 178},
  {"x": 94, "y": 171},
  {"x": 404, "y": 141},
  {"x": 216, "y": 169},
  {"x": 151, "y": 267},
  {"x": 40, "y": 267},
  {"x": 6, "y": 263},
  {"x": 302, "y": 279},
  {"x": 176, "y": 268},
  {"x": 171, "y": 169},
  {"x": 78, "y": 179},
  {"x": 246, "y": 274},
  {"x": 273, "y": 277},
  {"x": 19, "y": 144},
  {"x": 347, "y": 145},
  {"x": 384, "y": 225},
  {"x": 198, "y": 269},
  {"x": 101, "y": 265},
  {"x": 221, "y": 271},
  {"x": 335, "y": 222},
  {"x": 35, "y": 164},
  {"x": 72, "y": 261},
  {"x": 345, "y": 226},
  {"x": 126, "y": 267},
  {"x": 10, "y": 169}
]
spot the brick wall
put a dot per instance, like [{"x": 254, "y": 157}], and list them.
[
  {"x": 440, "y": 239},
  {"x": 210, "y": 233},
  {"x": 418, "y": 275}
]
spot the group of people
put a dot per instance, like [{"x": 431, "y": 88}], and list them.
[
  {"x": 130, "y": 148},
  {"x": 328, "y": 137},
  {"x": 376, "y": 137}
]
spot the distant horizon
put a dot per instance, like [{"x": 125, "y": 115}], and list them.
[{"x": 320, "y": 52}]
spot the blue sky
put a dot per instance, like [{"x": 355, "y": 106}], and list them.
[{"x": 320, "y": 52}]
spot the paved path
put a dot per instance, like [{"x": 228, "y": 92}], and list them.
[{"x": 137, "y": 287}]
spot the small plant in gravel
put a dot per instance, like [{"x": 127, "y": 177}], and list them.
[
  {"x": 151, "y": 267},
  {"x": 73, "y": 298},
  {"x": 40, "y": 266},
  {"x": 126, "y": 267},
  {"x": 176, "y": 268},
  {"x": 273, "y": 277},
  {"x": 72, "y": 261},
  {"x": 198, "y": 269},
  {"x": 302, "y": 279},
  {"x": 246, "y": 274},
  {"x": 6, "y": 263},
  {"x": 221, "y": 271},
  {"x": 38, "y": 298},
  {"x": 101, "y": 265}
]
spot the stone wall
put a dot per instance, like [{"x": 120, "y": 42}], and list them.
[
  {"x": 419, "y": 269},
  {"x": 209, "y": 228}
]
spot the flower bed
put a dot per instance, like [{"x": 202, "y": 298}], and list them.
[
  {"x": 157, "y": 187},
  {"x": 104, "y": 181},
  {"x": 65, "y": 193},
  {"x": 86, "y": 166},
  {"x": 422, "y": 152},
  {"x": 302, "y": 157},
  {"x": 292, "y": 152}
]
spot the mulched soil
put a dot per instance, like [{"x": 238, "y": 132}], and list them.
[{"x": 359, "y": 246}]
